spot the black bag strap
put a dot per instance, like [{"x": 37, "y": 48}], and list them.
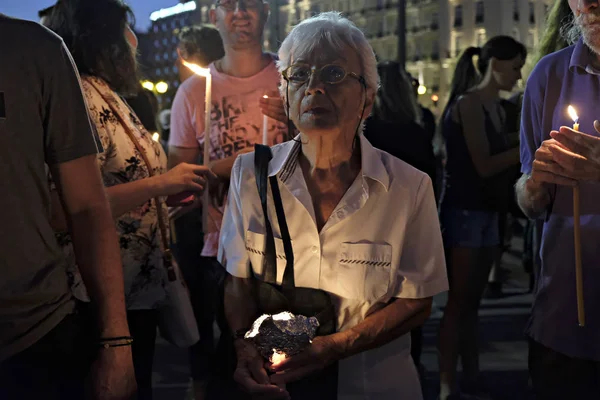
[
  {"x": 262, "y": 156},
  {"x": 261, "y": 171}
]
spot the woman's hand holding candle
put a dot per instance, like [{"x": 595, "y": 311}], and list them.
[{"x": 323, "y": 351}]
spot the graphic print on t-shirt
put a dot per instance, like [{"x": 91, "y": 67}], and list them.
[{"x": 236, "y": 121}]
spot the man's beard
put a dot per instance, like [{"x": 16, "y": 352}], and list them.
[{"x": 572, "y": 29}]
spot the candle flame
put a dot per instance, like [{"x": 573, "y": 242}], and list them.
[
  {"x": 277, "y": 357},
  {"x": 573, "y": 113},
  {"x": 198, "y": 70},
  {"x": 265, "y": 97},
  {"x": 155, "y": 136}
]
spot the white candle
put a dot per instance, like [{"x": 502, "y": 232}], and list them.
[
  {"x": 205, "y": 72},
  {"x": 265, "y": 133}
]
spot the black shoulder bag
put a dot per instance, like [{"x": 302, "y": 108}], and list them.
[{"x": 273, "y": 298}]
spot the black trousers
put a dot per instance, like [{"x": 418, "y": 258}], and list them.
[
  {"x": 142, "y": 325},
  {"x": 55, "y": 367},
  {"x": 558, "y": 377}
]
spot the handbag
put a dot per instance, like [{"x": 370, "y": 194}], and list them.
[
  {"x": 273, "y": 298},
  {"x": 176, "y": 319}
]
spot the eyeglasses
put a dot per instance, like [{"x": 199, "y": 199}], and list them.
[
  {"x": 230, "y": 5},
  {"x": 331, "y": 74}
]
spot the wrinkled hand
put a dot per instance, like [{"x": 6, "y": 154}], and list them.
[
  {"x": 251, "y": 374},
  {"x": 183, "y": 178},
  {"x": 323, "y": 352},
  {"x": 545, "y": 170},
  {"x": 112, "y": 375},
  {"x": 273, "y": 107},
  {"x": 578, "y": 153}
]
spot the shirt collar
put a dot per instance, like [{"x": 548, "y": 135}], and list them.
[
  {"x": 285, "y": 161},
  {"x": 581, "y": 57}
]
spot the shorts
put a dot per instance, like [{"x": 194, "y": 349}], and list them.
[{"x": 469, "y": 228}]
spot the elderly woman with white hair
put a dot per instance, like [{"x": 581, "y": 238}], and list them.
[{"x": 362, "y": 225}]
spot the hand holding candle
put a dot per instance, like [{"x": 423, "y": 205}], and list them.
[{"x": 577, "y": 237}]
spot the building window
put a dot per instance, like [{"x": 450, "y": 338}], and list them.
[
  {"x": 531, "y": 13},
  {"x": 457, "y": 45},
  {"x": 481, "y": 38},
  {"x": 158, "y": 72},
  {"x": 458, "y": 17},
  {"x": 156, "y": 44},
  {"x": 165, "y": 41},
  {"x": 175, "y": 69},
  {"x": 174, "y": 55},
  {"x": 516, "y": 34},
  {"x": 479, "y": 12},
  {"x": 435, "y": 20},
  {"x": 157, "y": 57},
  {"x": 166, "y": 70},
  {"x": 530, "y": 40},
  {"x": 155, "y": 28},
  {"x": 174, "y": 40},
  {"x": 435, "y": 50},
  {"x": 163, "y": 26}
]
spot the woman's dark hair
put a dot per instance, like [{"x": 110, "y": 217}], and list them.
[
  {"x": 465, "y": 74},
  {"x": 395, "y": 101},
  {"x": 200, "y": 44},
  {"x": 94, "y": 32}
]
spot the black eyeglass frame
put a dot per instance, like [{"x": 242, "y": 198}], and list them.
[{"x": 314, "y": 70}]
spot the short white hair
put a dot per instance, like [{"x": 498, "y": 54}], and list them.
[{"x": 335, "y": 30}]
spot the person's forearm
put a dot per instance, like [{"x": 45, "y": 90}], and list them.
[
  {"x": 127, "y": 196},
  {"x": 99, "y": 260},
  {"x": 240, "y": 304},
  {"x": 396, "y": 319},
  {"x": 222, "y": 168},
  {"x": 533, "y": 198}
]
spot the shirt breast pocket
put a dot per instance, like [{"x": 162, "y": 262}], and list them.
[
  {"x": 255, "y": 246},
  {"x": 364, "y": 270}
]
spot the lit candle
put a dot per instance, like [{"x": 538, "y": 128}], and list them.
[
  {"x": 155, "y": 136},
  {"x": 265, "y": 133},
  {"x": 277, "y": 357},
  {"x": 577, "y": 236},
  {"x": 205, "y": 72}
]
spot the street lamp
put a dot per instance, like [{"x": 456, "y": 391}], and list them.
[
  {"x": 161, "y": 87},
  {"x": 148, "y": 85}
]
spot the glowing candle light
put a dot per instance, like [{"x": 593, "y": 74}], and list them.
[
  {"x": 277, "y": 357},
  {"x": 577, "y": 235},
  {"x": 205, "y": 72},
  {"x": 155, "y": 136},
  {"x": 265, "y": 133}
]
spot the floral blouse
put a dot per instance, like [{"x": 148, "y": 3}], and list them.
[{"x": 138, "y": 229}]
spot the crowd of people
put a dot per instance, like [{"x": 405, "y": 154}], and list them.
[{"x": 343, "y": 207}]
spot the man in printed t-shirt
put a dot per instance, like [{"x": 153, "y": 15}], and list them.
[{"x": 239, "y": 81}]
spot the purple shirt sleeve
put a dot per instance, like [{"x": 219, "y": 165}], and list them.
[
  {"x": 531, "y": 120},
  {"x": 187, "y": 116}
]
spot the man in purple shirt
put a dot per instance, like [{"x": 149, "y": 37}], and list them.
[{"x": 564, "y": 359}]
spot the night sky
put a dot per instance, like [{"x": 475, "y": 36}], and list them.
[{"x": 28, "y": 9}]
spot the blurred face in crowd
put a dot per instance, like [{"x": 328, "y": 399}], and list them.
[
  {"x": 324, "y": 91},
  {"x": 507, "y": 72},
  {"x": 240, "y": 22},
  {"x": 587, "y": 19}
]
